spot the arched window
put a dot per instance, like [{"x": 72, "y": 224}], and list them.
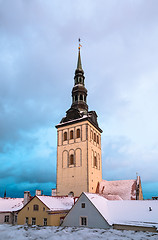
[
  {"x": 76, "y": 98},
  {"x": 35, "y": 207},
  {"x": 78, "y": 133},
  {"x": 97, "y": 139},
  {"x": 81, "y": 97},
  {"x": 71, "y": 159},
  {"x": 71, "y": 134},
  {"x": 95, "y": 162},
  {"x": 71, "y": 194},
  {"x": 94, "y": 137},
  {"x": 65, "y": 136}
]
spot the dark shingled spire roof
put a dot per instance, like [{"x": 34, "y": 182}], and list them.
[{"x": 79, "y": 65}]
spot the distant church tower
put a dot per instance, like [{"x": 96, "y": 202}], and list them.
[{"x": 79, "y": 165}]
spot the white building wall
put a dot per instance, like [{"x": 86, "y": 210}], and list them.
[{"x": 94, "y": 218}]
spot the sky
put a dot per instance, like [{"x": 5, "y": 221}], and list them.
[{"x": 38, "y": 58}]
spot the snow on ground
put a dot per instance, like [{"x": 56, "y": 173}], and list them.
[{"x": 8, "y": 232}]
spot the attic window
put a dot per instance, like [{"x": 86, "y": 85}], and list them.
[
  {"x": 35, "y": 207},
  {"x": 150, "y": 209},
  {"x": 82, "y": 205}
]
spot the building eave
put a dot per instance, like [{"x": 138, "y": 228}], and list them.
[{"x": 79, "y": 120}]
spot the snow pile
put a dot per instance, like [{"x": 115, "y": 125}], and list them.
[
  {"x": 25, "y": 233},
  {"x": 57, "y": 203},
  {"x": 11, "y": 204}
]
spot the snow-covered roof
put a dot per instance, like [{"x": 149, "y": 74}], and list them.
[
  {"x": 125, "y": 189},
  {"x": 57, "y": 203},
  {"x": 138, "y": 213},
  {"x": 10, "y": 204}
]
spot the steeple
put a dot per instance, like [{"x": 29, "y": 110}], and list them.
[
  {"x": 79, "y": 107},
  {"x": 79, "y": 65},
  {"x": 79, "y": 92}
]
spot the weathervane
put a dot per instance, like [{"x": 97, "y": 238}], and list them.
[{"x": 79, "y": 40}]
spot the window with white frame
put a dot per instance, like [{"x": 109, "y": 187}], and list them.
[
  {"x": 83, "y": 221},
  {"x": 45, "y": 221},
  {"x": 6, "y": 219},
  {"x": 15, "y": 218},
  {"x": 27, "y": 220},
  {"x": 33, "y": 221}
]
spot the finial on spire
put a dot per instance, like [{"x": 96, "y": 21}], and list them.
[
  {"x": 79, "y": 40},
  {"x": 79, "y": 65}
]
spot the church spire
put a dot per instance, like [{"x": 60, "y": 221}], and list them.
[
  {"x": 79, "y": 92},
  {"x": 79, "y": 65}
]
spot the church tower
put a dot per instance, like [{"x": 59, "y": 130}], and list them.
[{"x": 79, "y": 165}]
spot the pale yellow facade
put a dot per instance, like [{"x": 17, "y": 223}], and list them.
[
  {"x": 79, "y": 165},
  {"x": 42, "y": 216}
]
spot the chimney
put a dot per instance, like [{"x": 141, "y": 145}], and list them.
[
  {"x": 38, "y": 193},
  {"x": 54, "y": 192},
  {"x": 26, "y": 197}
]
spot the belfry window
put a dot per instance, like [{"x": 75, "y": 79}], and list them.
[
  {"x": 71, "y": 159},
  {"x": 97, "y": 139},
  {"x": 76, "y": 98},
  {"x": 95, "y": 162},
  {"x": 65, "y": 136},
  {"x": 78, "y": 133},
  {"x": 91, "y": 134},
  {"x": 94, "y": 137},
  {"x": 81, "y": 97},
  {"x": 71, "y": 134}
]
